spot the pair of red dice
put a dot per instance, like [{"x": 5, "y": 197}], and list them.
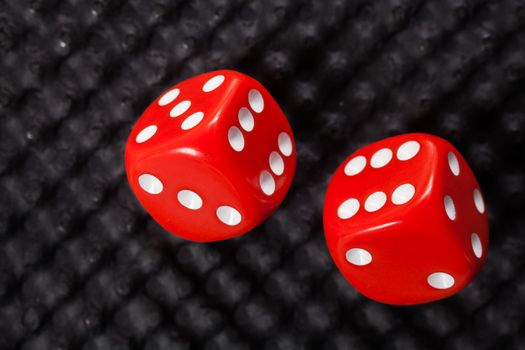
[{"x": 404, "y": 217}]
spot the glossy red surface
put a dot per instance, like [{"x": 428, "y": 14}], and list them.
[
  {"x": 407, "y": 242},
  {"x": 202, "y": 160}
]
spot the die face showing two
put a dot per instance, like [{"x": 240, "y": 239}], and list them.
[
  {"x": 211, "y": 157},
  {"x": 405, "y": 221}
]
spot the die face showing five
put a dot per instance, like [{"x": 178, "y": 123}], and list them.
[
  {"x": 388, "y": 225},
  {"x": 207, "y": 158}
]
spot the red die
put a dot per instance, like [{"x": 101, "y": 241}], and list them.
[
  {"x": 405, "y": 221},
  {"x": 212, "y": 157}
]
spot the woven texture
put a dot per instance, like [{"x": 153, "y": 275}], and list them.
[{"x": 82, "y": 266}]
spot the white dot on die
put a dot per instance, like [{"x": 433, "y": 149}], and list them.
[
  {"x": 358, "y": 256},
  {"x": 285, "y": 144},
  {"x": 375, "y": 201},
  {"x": 228, "y": 215},
  {"x": 440, "y": 280},
  {"x": 355, "y": 166},
  {"x": 403, "y": 194},
  {"x": 477, "y": 248},
  {"x": 189, "y": 199},
  {"x": 150, "y": 184},
  {"x": 450, "y": 209},
  {"x": 236, "y": 139},
  {"x": 256, "y": 101},
  {"x": 276, "y": 163},
  {"x": 408, "y": 150},
  {"x": 146, "y": 133},
  {"x": 381, "y": 158},
  {"x": 169, "y": 97},
  {"x": 246, "y": 119},
  {"x": 453, "y": 163},
  {"x": 180, "y": 108},
  {"x": 478, "y": 201},
  {"x": 348, "y": 208},
  {"x": 267, "y": 183},
  {"x": 192, "y": 121},
  {"x": 213, "y": 83}
]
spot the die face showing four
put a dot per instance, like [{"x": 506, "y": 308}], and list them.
[
  {"x": 207, "y": 158},
  {"x": 465, "y": 213},
  {"x": 387, "y": 222}
]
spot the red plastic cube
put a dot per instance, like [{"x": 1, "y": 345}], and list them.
[
  {"x": 405, "y": 220},
  {"x": 212, "y": 157}
]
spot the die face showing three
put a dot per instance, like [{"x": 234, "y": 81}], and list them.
[
  {"x": 405, "y": 221},
  {"x": 211, "y": 157}
]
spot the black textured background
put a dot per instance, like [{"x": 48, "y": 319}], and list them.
[{"x": 82, "y": 266}]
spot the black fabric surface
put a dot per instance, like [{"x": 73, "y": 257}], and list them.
[{"x": 82, "y": 266}]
